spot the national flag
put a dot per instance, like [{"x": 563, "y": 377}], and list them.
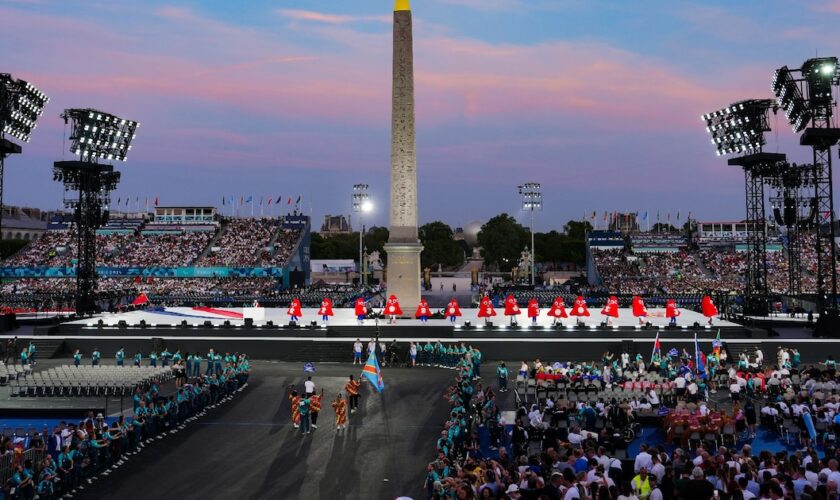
[
  {"x": 678, "y": 215},
  {"x": 156, "y": 201},
  {"x": 657, "y": 348},
  {"x": 250, "y": 199},
  {"x": 223, "y": 201},
  {"x": 657, "y": 216},
  {"x": 644, "y": 217},
  {"x": 147, "y": 203},
  {"x": 127, "y": 199},
  {"x": 594, "y": 215},
  {"x": 261, "y": 200},
  {"x": 669, "y": 216},
  {"x": 241, "y": 200},
  {"x": 269, "y": 201},
  {"x": 119, "y": 200},
  {"x": 298, "y": 200},
  {"x": 290, "y": 200},
  {"x": 372, "y": 373},
  {"x": 308, "y": 368},
  {"x": 605, "y": 216},
  {"x": 698, "y": 356},
  {"x": 717, "y": 344}
]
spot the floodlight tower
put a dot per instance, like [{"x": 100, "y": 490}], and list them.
[
  {"x": 20, "y": 106},
  {"x": 361, "y": 205},
  {"x": 739, "y": 129},
  {"x": 95, "y": 136},
  {"x": 531, "y": 201},
  {"x": 813, "y": 117}
]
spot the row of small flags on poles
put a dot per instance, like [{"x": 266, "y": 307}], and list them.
[
  {"x": 126, "y": 201},
  {"x": 613, "y": 216},
  {"x": 231, "y": 200}
]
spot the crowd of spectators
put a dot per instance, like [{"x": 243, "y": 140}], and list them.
[
  {"x": 162, "y": 250},
  {"x": 571, "y": 443},
  {"x": 283, "y": 248},
  {"x": 50, "y": 465},
  {"x": 241, "y": 243}
]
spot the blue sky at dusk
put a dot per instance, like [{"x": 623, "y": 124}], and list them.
[{"x": 598, "y": 101}]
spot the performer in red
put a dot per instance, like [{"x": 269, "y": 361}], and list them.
[
  {"x": 533, "y": 310},
  {"x": 671, "y": 312},
  {"x": 423, "y": 312},
  {"x": 485, "y": 309},
  {"x": 453, "y": 310},
  {"x": 340, "y": 407},
  {"x": 639, "y": 309},
  {"x": 294, "y": 310},
  {"x": 709, "y": 309},
  {"x": 295, "y": 400},
  {"x": 512, "y": 309},
  {"x": 610, "y": 310},
  {"x": 558, "y": 310},
  {"x": 315, "y": 407},
  {"x": 580, "y": 310},
  {"x": 392, "y": 309},
  {"x": 325, "y": 311},
  {"x": 361, "y": 310}
]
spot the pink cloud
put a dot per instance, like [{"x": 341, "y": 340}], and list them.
[{"x": 320, "y": 17}]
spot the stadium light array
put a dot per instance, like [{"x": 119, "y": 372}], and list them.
[
  {"x": 20, "y": 106},
  {"x": 98, "y": 135},
  {"x": 739, "y": 127},
  {"x": 789, "y": 98}
]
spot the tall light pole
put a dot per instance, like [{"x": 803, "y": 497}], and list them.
[
  {"x": 531, "y": 201},
  {"x": 361, "y": 205}
]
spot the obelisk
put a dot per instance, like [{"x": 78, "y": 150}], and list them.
[{"x": 403, "y": 247}]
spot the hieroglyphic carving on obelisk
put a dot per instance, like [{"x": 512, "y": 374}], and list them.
[{"x": 403, "y": 247}]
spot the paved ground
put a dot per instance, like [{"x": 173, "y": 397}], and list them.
[{"x": 248, "y": 449}]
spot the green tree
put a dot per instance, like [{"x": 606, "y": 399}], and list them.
[
  {"x": 502, "y": 240},
  {"x": 375, "y": 239},
  {"x": 439, "y": 247},
  {"x": 576, "y": 230}
]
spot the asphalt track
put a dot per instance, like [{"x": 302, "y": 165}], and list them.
[{"x": 247, "y": 448}]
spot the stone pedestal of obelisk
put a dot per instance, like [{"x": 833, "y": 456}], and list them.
[{"x": 403, "y": 246}]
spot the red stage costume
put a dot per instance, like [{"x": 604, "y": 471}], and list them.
[
  {"x": 453, "y": 310},
  {"x": 485, "y": 309},
  {"x": 671, "y": 311},
  {"x": 639, "y": 309},
  {"x": 294, "y": 310},
  {"x": 533, "y": 310},
  {"x": 610, "y": 310},
  {"x": 512, "y": 308},
  {"x": 340, "y": 407},
  {"x": 558, "y": 309},
  {"x": 709, "y": 309},
  {"x": 325, "y": 311},
  {"x": 295, "y": 400},
  {"x": 392, "y": 309},
  {"x": 580, "y": 309},
  {"x": 360, "y": 310},
  {"x": 423, "y": 312}
]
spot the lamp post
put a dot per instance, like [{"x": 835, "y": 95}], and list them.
[
  {"x": 361, "y": 205},
  {"x": 531, "y": 201}
]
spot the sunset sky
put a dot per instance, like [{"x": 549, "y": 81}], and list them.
[{"x": 598, "y": 101}]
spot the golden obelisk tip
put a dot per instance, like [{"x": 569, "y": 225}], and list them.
[{"x": 401, "y": 5}]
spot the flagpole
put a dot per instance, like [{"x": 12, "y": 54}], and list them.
[{"x": 653, "y": 351}]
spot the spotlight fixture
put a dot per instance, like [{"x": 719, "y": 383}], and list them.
[
  {"x": 96, "y": 134},
  {"x": 789, "y": 98},
  {"x": 739, "y": 127}
]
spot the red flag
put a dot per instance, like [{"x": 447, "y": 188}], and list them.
[
  {"x": 156, "y": 201},
  {"x": 269, "y": 201},
  {"x": 290, "y": 200}
]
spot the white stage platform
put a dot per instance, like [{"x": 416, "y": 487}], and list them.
[{"x": 344, "y": 317}]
